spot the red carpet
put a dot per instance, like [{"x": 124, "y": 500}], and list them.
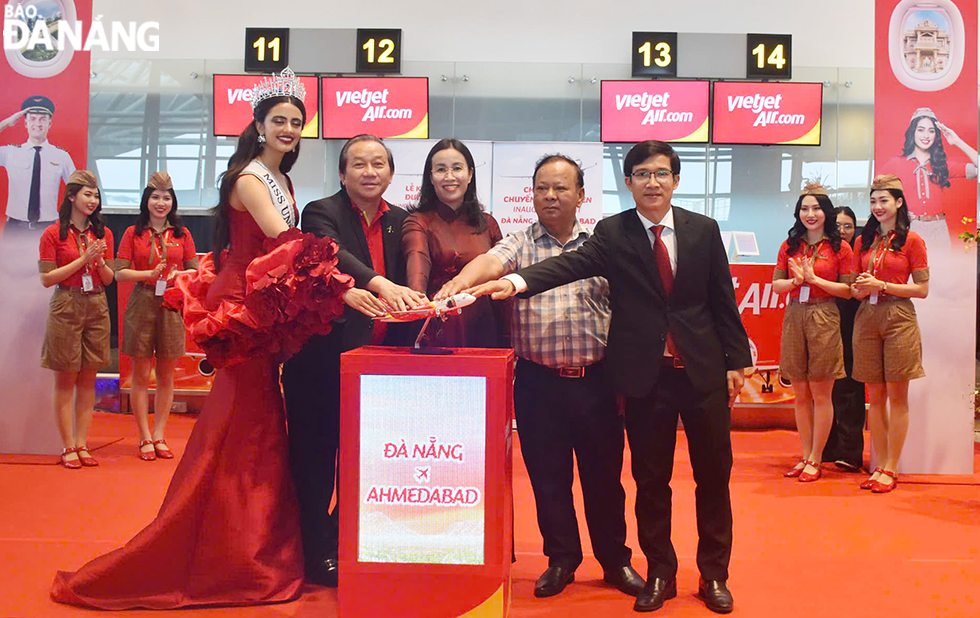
[{"x": 821, "y": 549}]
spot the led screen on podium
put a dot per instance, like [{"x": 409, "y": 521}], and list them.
[{"x": 425, "y": 483}]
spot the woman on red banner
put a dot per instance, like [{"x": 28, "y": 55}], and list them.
[
  {"x": 887, "y": 342},
  {"x": 442, "y": 235},
  {"x": 228, "y": 530},
  {"x": 814, "y": 266},
  {"x": 923, "y": 164},
  {"x": 73, "y": 254},
  {"x": 152, "y": 253}
]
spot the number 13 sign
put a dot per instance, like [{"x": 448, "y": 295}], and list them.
[{"x": 654, "y": 54}]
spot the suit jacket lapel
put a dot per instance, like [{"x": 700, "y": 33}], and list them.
[
  {"x": 685, "y": 244},
  {"x": 357, "y": 230},
  {"x": 392, "y": 243},
  {"x": 641, "y": 242}
]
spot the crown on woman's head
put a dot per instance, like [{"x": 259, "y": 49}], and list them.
[{"x": 286, "y": 84}]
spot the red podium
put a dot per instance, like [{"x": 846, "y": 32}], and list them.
[{"x": 425, "y": 483}]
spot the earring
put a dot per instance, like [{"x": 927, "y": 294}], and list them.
[{"x": 261, "y": 139}]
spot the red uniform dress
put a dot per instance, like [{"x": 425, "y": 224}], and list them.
[
  {"x": 810, "y": 343},
  {"x": 887, "y": 341},
  {"x": 149, "y": 329},
  {"x": 228, "y": 531},
  {"x": 77, "y": 331}
]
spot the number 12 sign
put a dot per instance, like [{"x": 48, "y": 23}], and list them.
[{"x": 654, "y": 54}]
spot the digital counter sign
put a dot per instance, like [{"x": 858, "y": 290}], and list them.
[
  {"x": 393, "y": 107},
  {"x": 233, "y": 104},
  {"x": 669, "y": 111},
  {"x": 766, "y": 113},
  {"x": 422, "y": 469}
]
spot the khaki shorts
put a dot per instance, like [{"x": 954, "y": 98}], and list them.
[
  {"x": 149, "y": 328},
  {"x": 77, "y": 334},
  {"x": 887, "y": 342},
  {"x": 810, "y": 348}
]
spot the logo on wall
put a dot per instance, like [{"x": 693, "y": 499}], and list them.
[{"x": 40, "y": 37}]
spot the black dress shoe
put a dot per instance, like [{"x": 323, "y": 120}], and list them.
[
  {"x": 716, "y": 596},
  {"x": 847, "y": 466},
  {"x": 323, "y": 572},
  {"x": 654, "y": 593},
  {"x": 625, "y": 579},
  {"x": 553, "y": 581}
]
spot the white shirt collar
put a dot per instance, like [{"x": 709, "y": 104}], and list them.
[
  {"x": 667, "y": 221},
  {"x": 30, "y": 144}
]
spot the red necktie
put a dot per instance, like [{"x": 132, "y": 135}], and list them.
[{"x": 666, "y": 277}]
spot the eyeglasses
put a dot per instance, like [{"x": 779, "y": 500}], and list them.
[
  {"x": 845, "y": 227},
  {"x": 456, "y": 170},
  {"x": 645, "y": 176}
]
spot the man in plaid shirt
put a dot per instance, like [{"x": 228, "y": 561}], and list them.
[{"x": 562, "y": 400}]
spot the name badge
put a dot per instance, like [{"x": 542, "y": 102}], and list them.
[
  {"x": 87, "y": 284},
  {"x": 161, "y": 287},
  {"x": 873, "y": 299},
  {"x": 805, "y": 293}
]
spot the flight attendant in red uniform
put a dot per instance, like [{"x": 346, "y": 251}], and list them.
[
  {"x": 73, "y": 254},
  {"x": 815, "y": 265},
  {"x": 887, "y": 341},
  {"x": 152, "y": 253}
]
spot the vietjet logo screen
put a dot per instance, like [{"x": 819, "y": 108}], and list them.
[
  {"x": 382, "y": 106},
  {"x": 670, "y": 111},
  {"x": 766, "y": 113},
  {"x": 233, "y": 104}
]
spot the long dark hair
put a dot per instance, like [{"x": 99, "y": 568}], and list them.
[
  {"x": 248, "y": 148},
  {"x": 797, "y": 233},
  {"x": 471, "y": 208},
  {"x": 937, "y": 153},
  {"x": 173, "y": 218},
  {"x": 64, "y": 212},
  {"x": 902, "y": 222}
]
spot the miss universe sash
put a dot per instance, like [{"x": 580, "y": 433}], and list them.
[{"x": 280, "y": 195}]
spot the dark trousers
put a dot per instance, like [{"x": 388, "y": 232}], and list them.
[
  {"x": 651, "y": 426},
  {"x": 846, "y": 440},
  {"x": 557, "y": 417},
  {"x": 311, "y": 389}
]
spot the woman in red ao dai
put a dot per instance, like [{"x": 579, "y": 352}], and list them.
[{"x": 814, "y": 266}]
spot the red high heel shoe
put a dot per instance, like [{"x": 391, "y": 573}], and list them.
[
  {"x": 165, "y": 452},
  {"x": 795, "y": 472},
  {"x": 87, "y": 460},
  {"x": 147, "y": 455},
  {"x": 882, "y": 488},
  {"x": 809, "y": 478},
  {"x": 869, "y": 482},
  {"x": 71, "y": 464}
]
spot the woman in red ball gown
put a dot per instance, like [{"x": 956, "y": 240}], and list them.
[{"x": 228, "y": 530}]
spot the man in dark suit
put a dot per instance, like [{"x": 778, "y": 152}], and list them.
[
  {"x": 676, "y": 346},
  {"x": 368, "y": 234}
]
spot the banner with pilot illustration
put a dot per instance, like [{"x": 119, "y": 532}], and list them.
[
  {"x": 926, "y": 134},
  {"x": 44, "y": 107}
]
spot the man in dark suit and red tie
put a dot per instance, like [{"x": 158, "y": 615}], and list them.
[{"x": 676, "y": 347}]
